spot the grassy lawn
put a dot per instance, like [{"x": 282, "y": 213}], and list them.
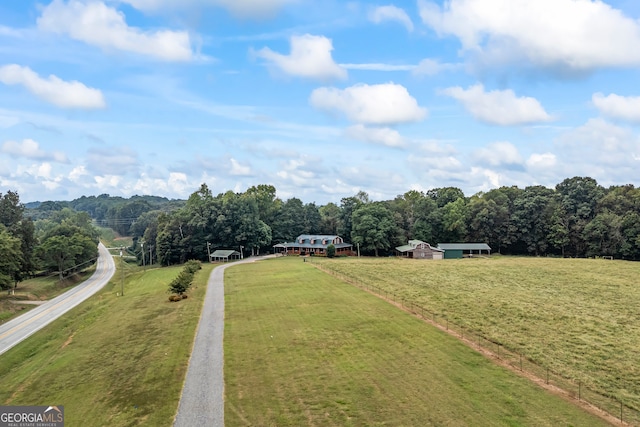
[
  {"x": 117, "y": 361},
  {"x": 302, "y": 348},
  {"x": 37, "y": 289},
  {"x": 579, "y": 317}
]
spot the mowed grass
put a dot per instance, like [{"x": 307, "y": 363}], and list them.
[
  {"x": 37, "y": 289},
  {"x": 303, "y": 348},
  {"x": 117, "y": 361},
  {"x": 578, "y": 317}
]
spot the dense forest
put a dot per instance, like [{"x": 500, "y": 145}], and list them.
[{"x": 577, "y": 218}]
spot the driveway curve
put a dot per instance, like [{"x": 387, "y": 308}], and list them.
[
  {"x": 18, "y": 329},
  {"x": 202, "y": 400}
]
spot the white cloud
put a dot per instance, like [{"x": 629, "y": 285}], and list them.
[
  {"x": 499, "y": 107},
  {"x": 570, "y": 35},
  {"x": 391, "y": 13},
  {"x": 310, "y": 57},
  {"x": 499, "y": 154},
  {"x": 381, "y": 104},
  {"x": 53, "y": 90},
  {"x": 241, "y": 8},
  {"x": 97, "y": 24},
  {"x": 377, "y": 135},
  {"x": 175, "y": 184},
  {"x": 618, "y": 107},
  {"x": 238, "y": 169},
  {"x": 77, "y": 174},
  {"x": 542, "y": 161},
  {"x": 297, "y": 173},
  {"x": 30, "y": 149}
]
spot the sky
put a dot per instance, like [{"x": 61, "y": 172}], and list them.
[{"x": 321, "y": 99}]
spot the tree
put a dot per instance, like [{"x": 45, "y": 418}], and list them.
[
  {"x": 373, "y": 227},
  {"x": 579, "y": 198},
  {"x": 329, "y": 218},
  {"x": 427, "y": 221},
  {"x": 531, "y": 218},
  {"x": 445, "y": 195},
  {"x": 348, "y": 206},
  {"x": 64, "y": 253},
  {"x": 11, "y": 259},
  {"x": 603, "y": 235},
  {"x": 454, "y": 220},
  {"x": 289, "y": 221}
]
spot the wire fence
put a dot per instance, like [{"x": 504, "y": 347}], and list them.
[{"x": 612, "y": 408}]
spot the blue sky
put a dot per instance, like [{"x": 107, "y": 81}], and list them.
[{"x": 319, "y": 99}]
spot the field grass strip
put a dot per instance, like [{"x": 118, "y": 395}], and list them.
[
  {"x": 609, "y": 408},
  {"x": 303, "y": 348}
]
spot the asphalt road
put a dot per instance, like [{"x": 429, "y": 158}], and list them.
[
  {"x": 20, "y": 328},
  {"x": 202, "y": 400}
]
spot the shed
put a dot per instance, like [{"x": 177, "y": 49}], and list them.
[
  {"x": 459, "y": 250},
  {"x": 419, "y": 250},
  {"x": 224, "y": 255}
]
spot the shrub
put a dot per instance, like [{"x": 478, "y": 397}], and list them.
[
  {"x": 331, "y": 251},
  {"x": 193, "y": 266}
]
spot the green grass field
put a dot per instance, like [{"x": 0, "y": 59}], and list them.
[
  {"x": 303, "y": 348},
  {"x": 117, "y": 361},
  {"x": 579, "y": 317}
]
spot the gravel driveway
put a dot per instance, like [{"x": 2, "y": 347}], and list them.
[{"x": 202, "y": 400}]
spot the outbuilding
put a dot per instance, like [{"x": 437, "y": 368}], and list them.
[
  {"x": 460, "y": 250},
  {"x": 418, "y": 249},
  {"x": 224, "y": 255}
]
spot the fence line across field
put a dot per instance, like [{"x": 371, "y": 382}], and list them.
[{"x": 544, "y": 376}]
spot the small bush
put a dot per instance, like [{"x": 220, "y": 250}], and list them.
[
  {"x": 174, "y": 298},
  {"x": 193, "y": 266},
  {"x": 331, "y": 251}
]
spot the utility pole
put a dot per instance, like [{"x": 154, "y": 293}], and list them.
[
  {"x": 241, "y": 255},
  {"x": 358, "y": 249},
  {"x": 122, "y": 268},
  {"x": 209, "y": 251},
  {"x": 144, "y": 267}
]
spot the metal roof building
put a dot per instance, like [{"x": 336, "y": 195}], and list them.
[
  {"x": 419, "y": 250},
  {"x": 459, "y": 250},
  {"x": 224, "y": 254}
]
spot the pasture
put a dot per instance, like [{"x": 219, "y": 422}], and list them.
[
  {"x": 303, "y": 348},
  {"x": 578, "y": 317}
]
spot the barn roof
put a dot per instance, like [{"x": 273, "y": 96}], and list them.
[
  {"x": 413, "y": 244},
  {"x": 464, "y": 246}
]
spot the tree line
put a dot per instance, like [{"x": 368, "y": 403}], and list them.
[
  {"x": 577, "y": 218},
  {"x": 64, "y": 242}
]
